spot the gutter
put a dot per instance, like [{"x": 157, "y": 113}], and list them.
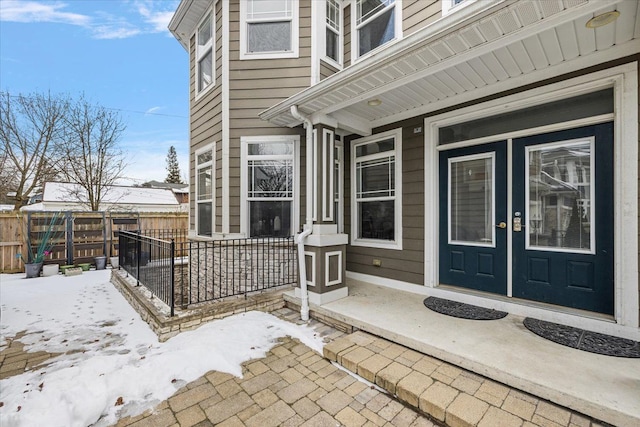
[{"x": 308, "y": 226}]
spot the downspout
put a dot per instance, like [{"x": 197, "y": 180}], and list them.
[{"x": 308, "y": 226}]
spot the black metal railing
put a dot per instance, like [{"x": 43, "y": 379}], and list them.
[
  {"x": 181, "y": 272},
  {"x": 152, "y": 262},
  {"x": 223, "y": 268}
]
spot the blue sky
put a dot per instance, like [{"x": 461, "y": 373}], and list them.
[{"x": 120, "y": 54}]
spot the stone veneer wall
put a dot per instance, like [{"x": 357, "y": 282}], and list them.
[
  {"x": 166, "y": 326},
  {"x": 219, "y": 269}
]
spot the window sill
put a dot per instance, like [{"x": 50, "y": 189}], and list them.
[
  {"x": 268, "y": 55},
  {"x": 379, "y": 244}
]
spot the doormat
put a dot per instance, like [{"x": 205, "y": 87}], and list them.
[
  {"x": 592, "y": 342},
  {"x": 462, "y": 310}
]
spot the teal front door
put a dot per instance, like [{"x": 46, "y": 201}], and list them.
[
  {"x": 563, "y": 193},
  {"x": 531, "y": 218},
  {"x": 473, "y": 215}
]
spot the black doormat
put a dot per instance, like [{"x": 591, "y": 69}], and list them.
[
  {"x": 462, "y": 310},
  {"x": 592, "y": 342}
]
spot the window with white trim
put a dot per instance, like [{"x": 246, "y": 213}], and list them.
[
  {"x": 204, "y": 53},
  {"x": 376, "y": 24},
  {"x": 333, "y": 31},
  {"x": 449, "y": 6},
  {"x": 270, "y": 168},
  {"x": 205, "y": 190},
  {"x": 268, "y": 29},
  {"x": 376, "y": 164}
]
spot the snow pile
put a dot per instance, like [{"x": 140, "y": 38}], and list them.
[{"x": 116, "y": 366}]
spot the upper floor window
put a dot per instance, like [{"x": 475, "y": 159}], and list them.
[
  {"x": 204, "y": 53},
  {"x": 375, "y": 24},
  {"x": 333, "y": 20},
  {"x": 449, "y": 6},
  {"x": 269, "y": 29}
]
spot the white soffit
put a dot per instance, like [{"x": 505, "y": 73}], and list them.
[{"x": 517, "y": 40}]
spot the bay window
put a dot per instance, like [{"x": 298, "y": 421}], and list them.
[
  {"x": 333, "y": 25},
  {"x": 269, "y": 29},
  {"x": 205, "y": 190},
  {"x": 269, "y": 175},
  {"x": 376, "y": 24},
  {"x": 204, "y": 53}
]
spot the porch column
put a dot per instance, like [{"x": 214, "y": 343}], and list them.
[{"x": 325, "y": 248}]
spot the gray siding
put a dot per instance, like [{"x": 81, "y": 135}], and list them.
[
  {"x": 255, "y": 85},
  {"x": 346, "y": 58},
  {"x": 418, "y": 14},
  {"x": 206, "y": 119},
  {"x": 326, "y": 70},
  {"x": 408, "y": 264}
]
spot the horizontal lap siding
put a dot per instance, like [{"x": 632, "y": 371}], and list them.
[
  {"x": 326, "y": 70},
  {"x": 254, "y": 86},
  {"x": 206, "y": 121},
  {"x": 346, "y": 58},
  {"x": 418, "y": 14},
  {"x": 408, "y": 264}
]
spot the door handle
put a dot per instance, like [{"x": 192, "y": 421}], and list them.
[{"x": 502, "y": 225}]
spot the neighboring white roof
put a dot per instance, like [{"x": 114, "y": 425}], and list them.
[
  {"x": 121, "y": 195},
  {"x": 6, "y": 207}
]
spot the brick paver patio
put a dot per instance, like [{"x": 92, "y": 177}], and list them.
[{"x": 295, "y": 386}]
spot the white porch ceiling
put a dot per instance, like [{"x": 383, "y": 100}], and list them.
[{"x": 511, "y": 44}]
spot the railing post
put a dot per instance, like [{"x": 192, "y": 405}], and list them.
[
  {"x": 138, "y": 250},
  {"x": 173, "y": 279}
]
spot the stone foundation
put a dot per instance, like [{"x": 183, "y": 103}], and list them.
[{"x": 156, "y": 314}]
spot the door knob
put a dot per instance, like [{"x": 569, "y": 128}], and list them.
[{"x": 502, "y": 225}]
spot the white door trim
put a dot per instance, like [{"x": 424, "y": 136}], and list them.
[{"x": 624, "y": 80}]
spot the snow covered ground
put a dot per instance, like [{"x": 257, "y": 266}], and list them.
[{"x": 111, "y": 352}]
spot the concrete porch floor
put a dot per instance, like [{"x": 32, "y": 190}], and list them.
[{"x": 604, "y": 387}]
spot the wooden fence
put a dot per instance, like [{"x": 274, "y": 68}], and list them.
[{"x": 79, "y": 236}]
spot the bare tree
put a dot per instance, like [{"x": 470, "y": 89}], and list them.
[
  {"x": 29, "y": 126},
  {"x": 92, "y": 157}
]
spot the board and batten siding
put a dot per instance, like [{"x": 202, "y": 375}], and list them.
[
  {"x": 406, "y": 265},
  {"x": 255, "y": 85},
  {"x": 417, "y": 14}
]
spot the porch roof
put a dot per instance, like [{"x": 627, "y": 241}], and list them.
[{"x": 488, "y": 46}]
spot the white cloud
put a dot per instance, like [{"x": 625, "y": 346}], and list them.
[
  {"x": 31, "y": 11},
  {"x": 159, "y": 19},
  {"x": 152, "y": 110},
  {"x": 151, "y": 17}
]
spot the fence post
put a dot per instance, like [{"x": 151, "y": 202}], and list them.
[
  {"x": 69, "y": 226},
  {"x": 138, "y": 250},
  {"x": 28, "y": 239},
  {"x": 173, "y": 278}
]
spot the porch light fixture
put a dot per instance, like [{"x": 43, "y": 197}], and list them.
[
  {"x": 602, "y": 19},
  {"x": 374, "y": 102}
]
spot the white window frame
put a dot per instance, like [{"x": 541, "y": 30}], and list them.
[
  {"x": 201, "y": 52},
  {"x": 244, "y": 22},
  {"x": 244, "y": 177},
  {"x": 212, "y": 163},
  {"x": 450, "y": 6},
  {"x": 340, "y": 31},
  {"x": 396, "y": 243},
  {"x": 355, "y": 27}
]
